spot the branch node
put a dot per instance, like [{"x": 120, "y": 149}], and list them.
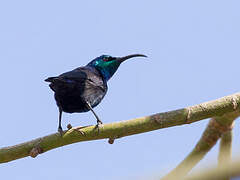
[
  {"x": 158, "y": 118},
  {"x": 112, "y": 139},
  {"x": 221, "y": 128},
  {"x": 36, "y": 150},
  {"x": 234, "y": 102},
  {"x": 69, "y": 126},
  {"x": 189, "y": 115},
  {"x": 203, "y": 107}
]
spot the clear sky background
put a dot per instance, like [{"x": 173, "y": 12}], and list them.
[{"x": 194, "y": 52}]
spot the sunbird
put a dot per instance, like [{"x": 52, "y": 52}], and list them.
[{"x": 83, "y": 88}]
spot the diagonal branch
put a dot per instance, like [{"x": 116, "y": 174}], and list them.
[
  {"x": 219, "y": 172},
  {"x": 225, "y": 151},
  {"x": 215, "y": 129},
  {"x": 123, "y": 128}
]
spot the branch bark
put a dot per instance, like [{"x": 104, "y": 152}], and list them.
[{"x": 123, "y": 128}]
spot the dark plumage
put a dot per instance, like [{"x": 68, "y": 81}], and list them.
[{"x": 83, "y": 88}]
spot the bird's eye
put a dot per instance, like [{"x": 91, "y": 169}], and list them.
[
  {"x": 105, "y": 59},
  {"x": 108, "y": 58}
]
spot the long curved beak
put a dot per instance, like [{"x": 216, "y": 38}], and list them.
[{"x": 121, "y": 59}]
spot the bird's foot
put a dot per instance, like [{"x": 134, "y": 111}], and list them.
[
  {"x": 60, "y": 131},
  {"x": 99, "y": 124}
]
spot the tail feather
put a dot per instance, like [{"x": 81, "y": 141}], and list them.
[
  {"x": 58, "y": 84},
  {"x": 51, "y": 79}
]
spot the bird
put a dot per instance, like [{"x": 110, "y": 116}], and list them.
[{"x": 83, "y": 88}]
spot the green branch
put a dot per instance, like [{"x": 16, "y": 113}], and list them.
[
  {"x": 123, "y": 128},
  {"x": 216, "y": 127},
  {"x": 225, "y": 151},
  {"x": 219, "y": 173}
]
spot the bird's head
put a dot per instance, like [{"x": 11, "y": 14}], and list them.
[{"x": 108, "y": 65}]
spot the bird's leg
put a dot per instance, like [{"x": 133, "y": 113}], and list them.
[
  {"x": 96, "y": 116},
  {"x": 59, "y": 122}
]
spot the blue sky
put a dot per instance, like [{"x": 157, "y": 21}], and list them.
[{"x": 193, "y": 49}]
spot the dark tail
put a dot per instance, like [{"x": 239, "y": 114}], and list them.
[{"x": 50, "y": 79}]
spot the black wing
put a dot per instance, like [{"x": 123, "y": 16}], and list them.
[
  {"x": 67, "y": 81},
  {"x": 87, "y": 83}
]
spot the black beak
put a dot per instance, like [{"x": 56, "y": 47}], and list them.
[{"x": 121, "y": 59}]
